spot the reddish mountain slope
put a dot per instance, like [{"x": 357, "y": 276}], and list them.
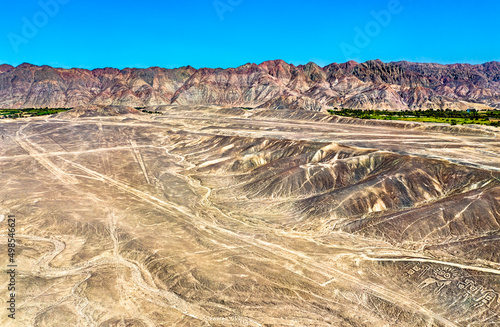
[{"x": 274, "y": 84}]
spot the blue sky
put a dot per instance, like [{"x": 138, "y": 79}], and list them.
[{"x": 229, "y": 33}]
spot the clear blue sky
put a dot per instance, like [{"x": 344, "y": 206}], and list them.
[{"x": 229, "y": 33}]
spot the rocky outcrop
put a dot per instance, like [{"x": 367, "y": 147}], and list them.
[
  {"x": 273, "y": 84},
  {"x": 97, "y": 111},
  {"x": 293, "y": 102},
  {"x": 43, "y": 86}
]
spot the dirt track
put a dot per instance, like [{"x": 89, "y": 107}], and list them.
[{"x": 206, "y": 217}]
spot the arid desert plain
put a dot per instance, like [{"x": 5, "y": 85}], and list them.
[{"x": 208, "y": 216}]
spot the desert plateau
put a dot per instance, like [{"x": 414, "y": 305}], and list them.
[{"x": 198, "y": 215}]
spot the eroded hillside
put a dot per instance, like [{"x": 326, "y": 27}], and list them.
[
  {"x": 207, "y": 216},
  {"x": 271, "y": 84}
]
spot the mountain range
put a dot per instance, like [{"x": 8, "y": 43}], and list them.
[{"x": 271, "y": 84}]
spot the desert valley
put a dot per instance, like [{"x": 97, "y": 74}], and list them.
[{"x": 212, "y": 215}]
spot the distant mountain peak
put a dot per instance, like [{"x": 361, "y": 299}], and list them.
[{"x": 369, "y": 85}]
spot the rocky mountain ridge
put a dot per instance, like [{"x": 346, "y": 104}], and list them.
[{"x": 271, "y": 84}]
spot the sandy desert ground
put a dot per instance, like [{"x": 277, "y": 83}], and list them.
[{"x": 205, "y": 216}]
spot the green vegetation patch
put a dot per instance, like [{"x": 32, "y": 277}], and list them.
[
  {"x": 143, "y": 109},
  {"x": 452, "y": 117},
  {"x": 29, "y": 112}
]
